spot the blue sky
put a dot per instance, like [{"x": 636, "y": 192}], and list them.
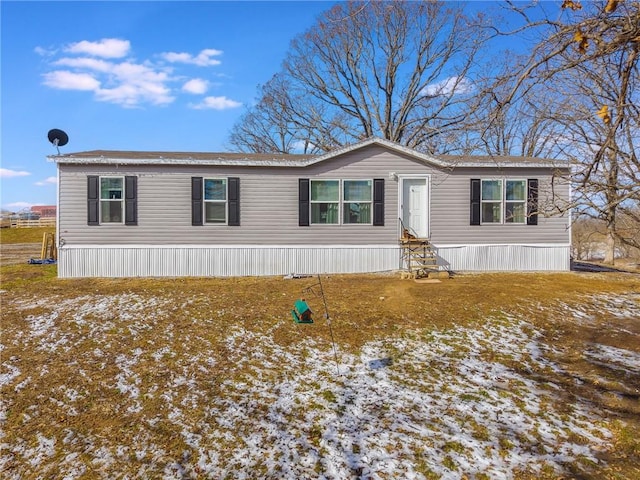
[
  {"x": 153, "y": 75},
  {"x": 127, "y": 75}
]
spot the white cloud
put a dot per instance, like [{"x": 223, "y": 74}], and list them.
[
  {"x": 85, "y": 63},
  {"x": 105, "y": 48},
  {"x": 47, "y": 181},
  {"x": 215, "y": 103},
  {"x": 6, "y": 173},
  {"x": 44, "y": 52},
  {"x": 66, "y": 80},
  {"x": 137, "y": 72},
  {"x": 131, "y": 95},
  {"x": 203, "y": 59},
  {"x": 135, "y": 84},
  {"x": 455, "y": 85},
  {"x": 125, "y": 82},
  {"x": 196, "y": 86}
]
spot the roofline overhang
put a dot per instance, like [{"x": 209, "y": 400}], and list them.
[{"x": 492, "y": 162}]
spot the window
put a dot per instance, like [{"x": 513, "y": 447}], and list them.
[
  {"x": 503, "y": 201},
  {"x": 515, "y": 201},
  {"x": 325, "y": 201},
  {"x": 491, "y": 200},
  {"x": 357, "y": 200},
  {"x": 215, "y": 200},
  {"x": 111, "y": 199},
  {"x": 341, "y": 202}
]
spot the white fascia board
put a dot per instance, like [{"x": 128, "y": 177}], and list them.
[
  {"x": 222, "y": 162},
  {"x": 176, "y": 161},
  {"x": 247, "y": 162}
]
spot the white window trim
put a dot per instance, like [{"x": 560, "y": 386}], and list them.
[
  {"x": 312, "y": 202},
  {"x": 523, "y": 202},
  {"x": 503, "y": 200},
  {"x": 341, "y": 202},
  {"x": 225, "y": 201},
  {"x": 121, "y": 200}
]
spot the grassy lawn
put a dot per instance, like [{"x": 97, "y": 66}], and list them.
[
  {"x": 24, "y": 235},
  {"x": 481, "y": 376}
]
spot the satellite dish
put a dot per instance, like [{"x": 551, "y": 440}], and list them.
[{"x": 58, "y": 138}]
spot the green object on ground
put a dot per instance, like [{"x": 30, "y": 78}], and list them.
[{"x": 301, "y": 312}]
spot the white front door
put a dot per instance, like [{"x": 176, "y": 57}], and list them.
[{"x": 415, "y": 212}]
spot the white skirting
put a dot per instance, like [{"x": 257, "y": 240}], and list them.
[
  {"x": 222, "y": 261},
  {"x": 547, "y": 257},
  {"x": 235, "y": 261}
]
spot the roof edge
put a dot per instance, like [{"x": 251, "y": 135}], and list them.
[{"x": 305, "y": 161}]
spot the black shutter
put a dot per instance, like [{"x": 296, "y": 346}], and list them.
[
  {"x": 532, "y": 201},
  {"x": 233, "y": 194},
  {"x": 196, "y": 201},
  {"x": 303, "y": 202},
  {"x": 475, "y": 201},
  {"x": 93, "y": 200},
  {"x": 130, "y": 200},
  {"x": 378, "y": 202}
]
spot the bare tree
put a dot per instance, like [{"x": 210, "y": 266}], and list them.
[
  {"x": 587, "y": 236},
  {"x": 398, "y": 70},
  {"x": 263, "y": 128},
  {"x": 523, "y": 127},
  {"x": 604, "y": 151},
  {"x": 604, "y": 122},
  {"x": 588, "y": 58}
]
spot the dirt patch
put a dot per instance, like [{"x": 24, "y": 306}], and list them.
[{"x": 16, "y": 253}]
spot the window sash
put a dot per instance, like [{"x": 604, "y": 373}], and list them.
[
  {"x": 111, "y": 200},
  {"x": 491, "y": 190},
  {"x": 215, "y": 212},
  {"x": 503, "y": 202},
  {"x": 325, "y": 191},
  {"x": 491, "y": 201},
  {"x": 111, "y": 188},
  {"x": 515, "y": 195},
  {"x": 337, "y": 202},
  {"x": 357, "y": 213},
  {"x": 215, "y": 189},
  {"x": 215, "y": 200},
  {"x": 491, "y": 212},
  {"x": 515, "y": 212},
  {"x": 325, "y": 213},
  {"x": 516, "y": 190},
  {"x": 325, "y": 201},
  {"x": 357, "y": 201}
]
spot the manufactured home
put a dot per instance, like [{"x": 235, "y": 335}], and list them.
[{"x": 150, "y": 214}]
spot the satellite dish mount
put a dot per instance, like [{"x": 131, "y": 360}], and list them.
[{"x": 58, "y": 138}]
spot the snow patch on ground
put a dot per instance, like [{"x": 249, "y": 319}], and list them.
[
  {"x": 412, "y": 406},
  {"x": 617, "y": 358}
]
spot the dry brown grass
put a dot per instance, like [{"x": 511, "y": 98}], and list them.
[
  {"x": 200, "y": 312},
  {"x": 23, "y": 235}
]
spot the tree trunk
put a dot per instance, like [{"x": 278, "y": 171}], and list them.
[{"x": 610, "y": 251}]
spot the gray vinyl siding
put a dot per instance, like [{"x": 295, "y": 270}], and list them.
[
  {"x": 450, "y": 205},
  {"x": 269, "y": 205}
]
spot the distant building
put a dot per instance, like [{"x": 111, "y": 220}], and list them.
[{"x": 45, "y": 211}]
